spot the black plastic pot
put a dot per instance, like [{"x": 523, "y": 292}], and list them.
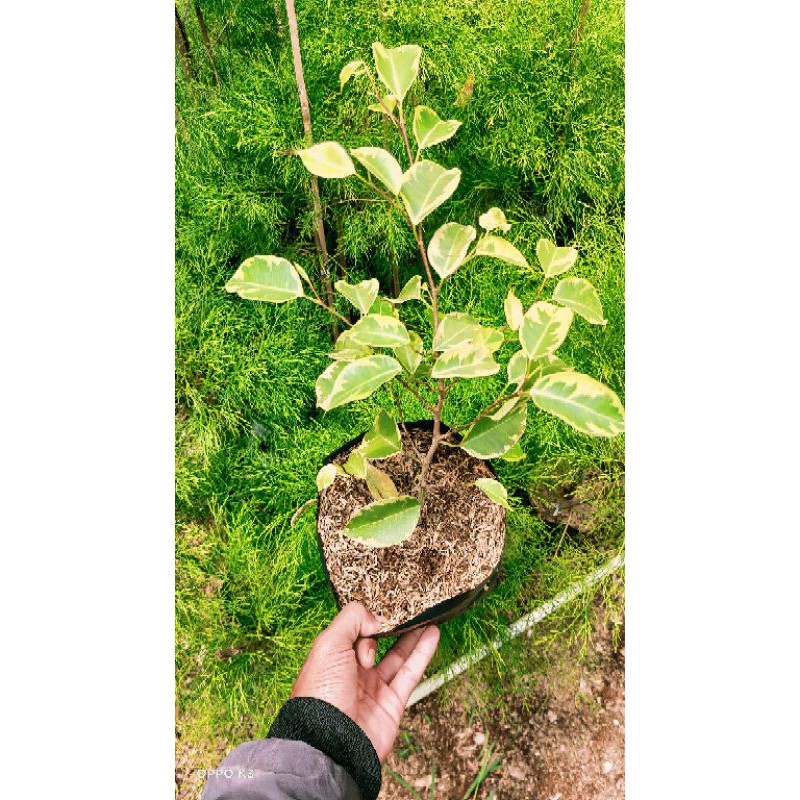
[{"x": 441, "y": 611}]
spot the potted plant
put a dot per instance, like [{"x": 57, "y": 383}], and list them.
[{"x": 410, "y": 517}]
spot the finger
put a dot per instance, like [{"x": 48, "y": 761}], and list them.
[
  {"x": 351, "y": 623},
  {"x": 412, "y": 670},
  {"x": 396, "y": 655},
  {"x": 365, "y": 652}
]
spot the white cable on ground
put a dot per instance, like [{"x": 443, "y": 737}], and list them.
[{"x": 522, "y": 625}]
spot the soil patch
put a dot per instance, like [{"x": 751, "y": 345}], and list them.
[
  {"x": 565, "y": 740},
  {"x": 456, "y": 545}
]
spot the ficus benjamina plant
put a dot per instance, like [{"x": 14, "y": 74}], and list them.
[{"x": 379, "y": 348}]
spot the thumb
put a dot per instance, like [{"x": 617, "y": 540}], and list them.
[{"x": 350, "y": 624}]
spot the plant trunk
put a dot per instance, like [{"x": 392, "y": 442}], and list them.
[
  {"x": 206, "y": 40},
  {"x": 319, "y": 228},
  {"x": 183, "y": 47}
]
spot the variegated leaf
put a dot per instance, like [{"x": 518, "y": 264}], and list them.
[
  {"x": 554, "y": 260},
  {"x": 579, "y": 295},
  {"x": 465, "y": 361},
  {"x": 547, "y": 365},
  {"x": 494, "y": 490},
  {"x": 361, "y": 295},
  {"x": 544, "y": 328},
  {"x": 327, "y": 160},
  {"x": 384, "y": 307},
  {"x": 410, "y": 355},
  {"x": 512, "y": 306},
  {"x": 384, "y": 522},
  {"x": 345, "y": 382},
  {"x": 387, "y": 105},
  {"x": 491, "y": 338},
  {"x": 517, "y": 368},
  {"x": 516, "y": 453},
  {"x": 412, "y": 290},
  {"x": 397, "y": 67},
  {"x": 492, "y": 219},
  {"x": 327, "y": 475},
  {"x": 490, "y": 438},
  {"x": 506, "y": 408},
  {"x": 382, "y": 439},
  {"x": 582, "y": 402},
  {"x": 356, "y": 465},
  {"x": 382, "y": 164},
  {"x": 426, "y": 185},
  {"x": 429, "y": 129},
  {"x": 380, "y": 485},
  {"x": 448, "y": 247},
  {"x": 454, "y": 329},
  {"x": 350, "y": 69},
  {"x": 268, "y": 278},
  {"x": 495, "y": 247},
  {"x": 378, "y": 330}
]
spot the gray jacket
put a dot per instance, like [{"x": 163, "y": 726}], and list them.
[{"x": 313, "y": 752}]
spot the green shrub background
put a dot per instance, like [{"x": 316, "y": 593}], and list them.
[{"x": 542, "y": 137}]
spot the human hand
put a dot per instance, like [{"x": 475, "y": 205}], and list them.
[{"x": 341, "y": 670}]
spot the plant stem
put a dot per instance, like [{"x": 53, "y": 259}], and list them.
[
  {"x": 319, "y": 227},
  {"x": 402, "y": 126}
]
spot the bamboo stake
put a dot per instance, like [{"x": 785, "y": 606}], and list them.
[
  {"x": 319, "y": 228},
  {"x": 206, "y": 40}
]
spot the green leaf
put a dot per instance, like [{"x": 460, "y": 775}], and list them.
[
  {"x": 268, "y": 278},
  {"x": 490, "y": 438},
  {"x": 411, "y": 291},
  {"x": 426, "y": 185},
  {"x": 397, "y": 67},
  {"x": 410, "y": 355},
  {"x": 494, "y": 218},
  {"x": 327, "y": 475},
  {"x": 356, "y": 465},
  {"x": 357, "y": 67},
  {"x": 448, "y": 247},
  {"x": 327, "y": 160},
  {"x": 582, "y": 402},
  {"x": 386, "y": 106},
  {"x": 429, "y": 129},
  {"x": 512, "y": 306},
  {"x": 361, "y": 295},
  {"x": 345, "y": 382},
  {"x": 579, "y": 295},
  {"x": 544, "y": 328},
  {"x": 465, "y": 361},
  {"x": 517, "y": 368},
  {"x": 378, "y": 330},
  {"x": 384, "y": 522},
  {"x": 380, "y": 485},
  {"x": 382, "y": 164},
  {"x": 495, "y": 247},
  {"x": 454, "y": 329},
  {"x": 382, "y": 439},
  {"x": 554, "y": 260},
  {"x": 494, "y": 490}
]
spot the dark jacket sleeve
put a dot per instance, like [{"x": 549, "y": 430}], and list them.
[{"x": 313, "y": 752}]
